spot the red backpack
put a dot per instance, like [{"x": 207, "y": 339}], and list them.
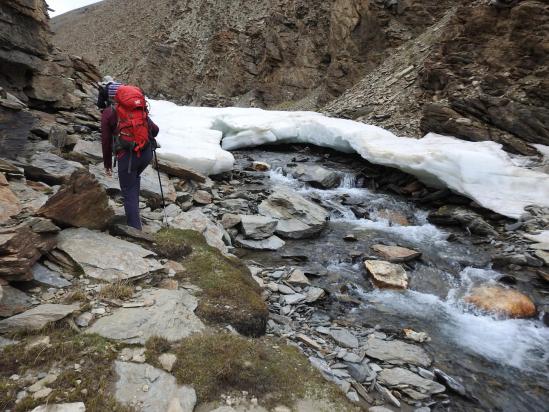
[{"x": 133, "y": 124}]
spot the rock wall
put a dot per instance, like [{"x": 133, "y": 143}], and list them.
[
  {"x": 479, "y": 73},
  {"x": 265, "y": 53},
  {"x": 40, "y": 86}
]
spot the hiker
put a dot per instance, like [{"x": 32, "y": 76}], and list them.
[
  {"x": 107, "y": 90},
  {"x": 129, "y": 134}
]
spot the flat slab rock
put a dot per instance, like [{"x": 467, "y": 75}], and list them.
[
  {"x": 396, "y": 254},
  {"x": 48, "y": 277},
  {"x": 271, "y": 243},
  {"x": 105, "y": 257},
  {"x": 49, "y": 168},
  {"x": 61, "y": 407},
  {"x": 401, "y": 376},
  {"x": 396, "y": 352},
  {"x": 258, "y": 227},
  {"x": 13, "y": 301},
  {"x": 171, "y": 317},
  {"x": 149, "y": 389},
  {"x": 198, "y": 221},
  {"x": 36, "y": 318}
]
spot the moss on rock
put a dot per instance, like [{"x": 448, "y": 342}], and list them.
[{"x": 229, "y": 293}]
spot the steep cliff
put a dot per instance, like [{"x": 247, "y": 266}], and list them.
[{"x": 39, "y": 85}]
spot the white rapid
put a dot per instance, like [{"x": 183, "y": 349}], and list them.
[{"x": 481, "y": 171}]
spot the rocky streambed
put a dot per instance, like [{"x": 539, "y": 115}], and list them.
[
  {"x": 404, "y": 297},
  {"x": 403, "y": 339}
]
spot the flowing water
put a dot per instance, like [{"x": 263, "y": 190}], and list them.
[{"x": 504, "y": 363}]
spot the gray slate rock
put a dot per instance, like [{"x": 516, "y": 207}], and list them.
[
  {"x": 171, "y": 317},
  {"x": 49, "y": 168},
  {"x": 13, "y": 301},
  {"x": 344, "y": 338},
  {"x": 298, "y": 217},
  {"x": 48, "y": 277},
  {"x": 105, "y": 257},
  {"x": 317, "y": 176},
  {"x": 153, "y": 389},
  {"x": 61, "y": 407},
  {"x": 90, "y": 149},
  {"x": 271, "y": 243},
  {"x": 396, "y": 352},
  {"x": 36, "y": 318},
  {"x": 198, "y": 221},
  {"x": 401, "y": 376},
  {"x": 258, "y": 227}
]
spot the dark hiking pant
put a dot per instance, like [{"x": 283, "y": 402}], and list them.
[{"x": 130, "y": 183}]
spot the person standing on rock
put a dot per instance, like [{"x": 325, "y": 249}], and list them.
[{"x": 129, "y": 134}]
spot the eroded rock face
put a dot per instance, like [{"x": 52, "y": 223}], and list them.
[
  {"x": 265, "y": 52},
  {"x": 9, "y": 203},
  {"x": 82, "y": 202},
  {"x": 499, "y": 300}
]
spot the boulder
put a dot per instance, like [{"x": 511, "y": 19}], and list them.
[
  {"x": 502, "y": 301},
  {"x": 101, "y": 256},
  {"x": 401, "y": 376},
  {"x": 171, "y": 317},
  {"x": 177, "y": 170},
  {"x": 49, "y": 168},
  {"x": 151, "y": 389},
  {"x": 36, "y": 318},
  {"x": 199, "y": 222},
  {"x": 297, "y": 277},
  {"x": 396, "y": 352},
  {"x": 396, "y": 254},
  {"x": 9, "y": 203},
  {"x": 81, "y": 202},
  {"x": 460, "y": 216},
  {"x": 317, "y": 176},
  {"x": 387, "y": 275},
  {"x": 92, "y": 150},
  {"x": 48, "y": 277},
  {"x": 13, "y": 301},
  {"x": 261, "y": 166},
  {"x": 344, "y": 338},
  {"x": 271, "y": 243},
  {"x": 258, "y": 227},
  {"x": 230, "y": 220},
  {"x": 21, "y": 246},
  {"x": 202, "y": 197},
  {"x": 298, "y": 217}
]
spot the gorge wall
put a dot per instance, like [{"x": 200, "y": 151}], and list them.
[{"x": 265, "y": 53}]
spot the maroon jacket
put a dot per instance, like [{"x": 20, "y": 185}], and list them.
[{"x": 109, "y": 121}]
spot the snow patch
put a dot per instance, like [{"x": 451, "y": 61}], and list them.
[{"x": 481, "y": 171}]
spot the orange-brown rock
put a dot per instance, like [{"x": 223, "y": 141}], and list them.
[
  {"x": 81, "y": 202},
  {"x": 499, "y": 300},
  {"x": 21, "y": 246},
  {"x": 9, "y": 204}
]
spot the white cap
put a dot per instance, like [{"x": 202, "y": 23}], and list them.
[{"x": 107, "y": 80}]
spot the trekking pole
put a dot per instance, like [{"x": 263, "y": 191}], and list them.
[{"x": 161, "y": 190}]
